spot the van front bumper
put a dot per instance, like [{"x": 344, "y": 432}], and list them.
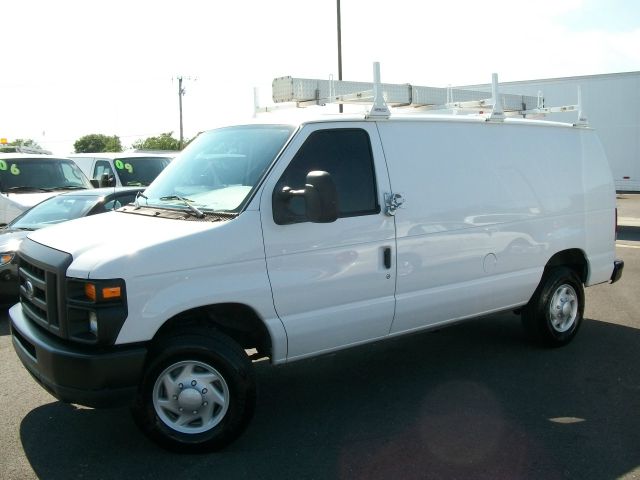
[
  {"x": 618, "y": 266},
  {"x": 91, "y": 376}
]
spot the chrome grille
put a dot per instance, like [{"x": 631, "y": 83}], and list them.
[
  {"x": 41, "y": 271},
  {"x": 38, "y": 294}
]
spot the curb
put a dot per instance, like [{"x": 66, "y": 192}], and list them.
[{"x": 628, "y": 222}]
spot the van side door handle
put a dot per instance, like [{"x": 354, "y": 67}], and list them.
[{"x": 386, "y": 254}]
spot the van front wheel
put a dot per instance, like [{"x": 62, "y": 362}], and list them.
[
  {"x": 198, "y": 392},
  {"x": 554, "y": 313}
]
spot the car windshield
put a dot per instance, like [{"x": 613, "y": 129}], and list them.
[
  {"x": 137, "y": 171},
  {"x": 55, "y": 210},
  {"x": 35, "y": 174},
  {"x": 218, "y": 171}
]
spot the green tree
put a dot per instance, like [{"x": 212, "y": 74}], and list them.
[
  {"x": 97, "y": 142},
  {"x": 164, "y": 141},
  {"x": 113, "y": 144}
]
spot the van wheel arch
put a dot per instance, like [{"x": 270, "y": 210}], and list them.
[
  {"x": 573, "y": 259},
  {"x": 239, "y": 322}
]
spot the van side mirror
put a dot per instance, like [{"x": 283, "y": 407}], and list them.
[
  {"x": 95, "y": 182},
  {"x": 107, "y": 180},
  {"x": 320, "y": 198}
]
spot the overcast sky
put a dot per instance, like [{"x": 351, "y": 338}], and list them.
[{"x": 71, "y": 68}]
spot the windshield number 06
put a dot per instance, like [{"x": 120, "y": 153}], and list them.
[{"x": 14, "y": 168}]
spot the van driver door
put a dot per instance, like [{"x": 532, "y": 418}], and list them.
[{"x": 333, "y": 283}]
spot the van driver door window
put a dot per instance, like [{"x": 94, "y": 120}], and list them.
[{"x": 101, "y": 167}]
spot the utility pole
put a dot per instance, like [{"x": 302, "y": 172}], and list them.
[
  {"x": 181, "y": 92},
  {"x": 339, "y": 47}
]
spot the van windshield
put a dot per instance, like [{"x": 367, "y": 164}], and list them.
[
  {"x": 219, "y": 169},
  {"x": 40, "y": 174}
]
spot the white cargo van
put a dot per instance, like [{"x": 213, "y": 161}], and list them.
[
  {"x": 27, "y": 179},
  {"x": 122, "y": 169},
  {"x": 293, "y": 239}
]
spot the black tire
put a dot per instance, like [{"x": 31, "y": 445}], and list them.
[
  {"x": 554, "y": 313},
  {"x": 201, "y": 370}
]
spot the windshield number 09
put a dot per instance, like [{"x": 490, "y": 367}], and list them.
[{"x": 120, "y": 165}]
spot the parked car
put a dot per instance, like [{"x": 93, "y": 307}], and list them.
[
  {"x": 26, "y": 179},
  {"x": 52, "y": 211},
  {"x": 122, "y": 169}
]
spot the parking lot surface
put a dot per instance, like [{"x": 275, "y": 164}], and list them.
[{"x": 475, "y": 400}]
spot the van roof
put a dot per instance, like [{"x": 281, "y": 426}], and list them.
[
  {"x": 30, "y": 156},
  {"x": 296, "y": 118},
  {"x": 114, "y": 155}
]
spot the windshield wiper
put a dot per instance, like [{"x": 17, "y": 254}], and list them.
[
  {"x": 196, "y": 211},
  {"x": 69, "y": 187},
  {"x": 24, "y": 188}
]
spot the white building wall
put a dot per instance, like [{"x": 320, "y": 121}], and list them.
[{"x": 611, "y": 103}]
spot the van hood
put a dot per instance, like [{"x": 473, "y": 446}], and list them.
[
  {"x": 124, "y": 245},
  {"x": 10, "y": 239},
  {"x": 27, "y": 200}
]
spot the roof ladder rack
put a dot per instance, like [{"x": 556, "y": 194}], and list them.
[
  {"x": 6, "y": 148},
  {"x": 303, "y": 92}
]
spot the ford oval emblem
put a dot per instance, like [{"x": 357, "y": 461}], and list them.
[{"x": 28, "y": 289}]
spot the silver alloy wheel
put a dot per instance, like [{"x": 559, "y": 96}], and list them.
[
  {"x": 190, "y": 397},
  {"x": 563, "y": 308}
]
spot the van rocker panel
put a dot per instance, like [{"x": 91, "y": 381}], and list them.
[{"x": 107, "y": 378}]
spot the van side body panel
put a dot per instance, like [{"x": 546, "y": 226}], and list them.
[
  {"x": 10, "y": 209},
  {"x": 600, "y": 204},
  {"x": 85, "y": 163},
  {"x": 486, "y": 206}
]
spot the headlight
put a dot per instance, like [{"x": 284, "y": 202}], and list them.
[
  {"x": 12, "y": 246},
  {"x": 96, "y": 309},
  {"x": 102, "y": 291},
  {"x": 6, "y": 257}
]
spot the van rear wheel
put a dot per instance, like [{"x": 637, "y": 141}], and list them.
[
  {"x": 198, "y": 392},
  {"x": 554, "y": 313}
]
